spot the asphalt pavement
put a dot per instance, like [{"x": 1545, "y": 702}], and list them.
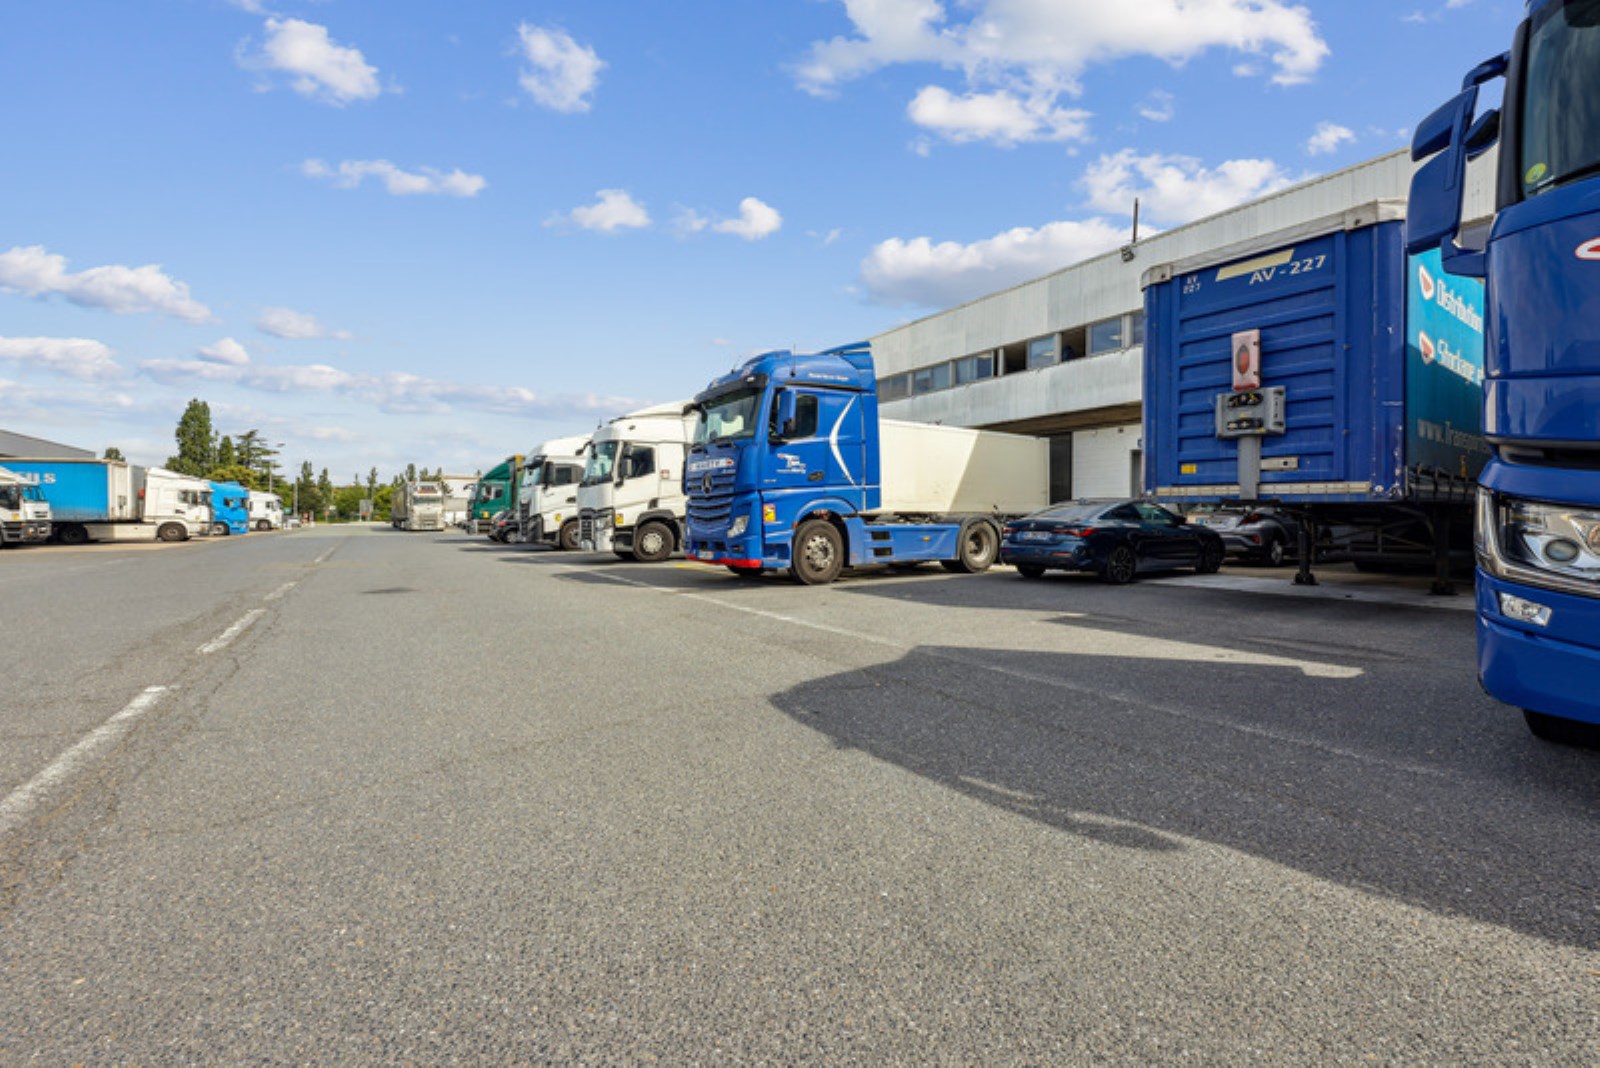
[{"x": 356, "y": 796}]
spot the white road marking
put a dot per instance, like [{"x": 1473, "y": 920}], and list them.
[
  {"x": 225, "y": 639},
  {"x": 1145, "y": 648},
  {"x": 324, "y": 557},
  {"x": 20, "y": 805},
  {"x": 280, "y": 591}
]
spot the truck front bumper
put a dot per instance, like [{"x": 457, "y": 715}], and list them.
[
  {"x": 1555, "y": 668},
  {"x": 19, "y": 533}
]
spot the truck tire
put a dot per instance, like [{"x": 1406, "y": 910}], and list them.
[
  {"x": 818, "y": 553},
  {"x": 1561, "y": 731},
  {"x": 979, "y": 544},
  {"x": 652, "y": 542},
  {"x": 170, "y": 532},
  {"x": 567, "y": 540},
  {"x": 263, "y": 525},
  {"x": 220, "y": 530},
  {"x": 72, "y": 534}
]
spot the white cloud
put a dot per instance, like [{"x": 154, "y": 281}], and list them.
[
  {"x": 1046, "y": 44},
  {"x": 756, "y": 220},
  {"x": 295, "y": 326},
  {"x": 1001, "y": 117},
  {"x": 615, "y": 210},
  {"x": 1159, "y": 106},
  {"x": 688, "y": 221},
  {"x": 394, "y": 392},
  {"x": 1327, "y": 138},
  {"x": 936, "y": 275},
  {"x": 1019, "y": 57},
  {"x": 1178, "y": 189},
  {"x": 427, "y": 181},
  {"x": 76, "y": 357},
  {"x": 561, "y": 74},
  {"x": 124, "y": 290},
  {"x": 318, "y": 67},
  {"x": 226, "y": 351}
]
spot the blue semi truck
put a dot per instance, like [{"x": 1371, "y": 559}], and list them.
[
  {"x": 230, "y": 508},
  {"x": 1538, "y": 516},
  {"x": 1322, "y": 372},
  {"x": 793, "y": 469}
]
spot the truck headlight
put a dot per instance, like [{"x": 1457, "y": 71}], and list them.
[
  {"x": 736, "y": 527},
  {"x": 1564, "y": 539}
]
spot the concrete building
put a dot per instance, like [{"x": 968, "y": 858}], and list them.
[{"x": 1062, "y": 356}]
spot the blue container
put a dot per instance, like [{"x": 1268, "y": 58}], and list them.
[{"x": 1376, "y": 411}]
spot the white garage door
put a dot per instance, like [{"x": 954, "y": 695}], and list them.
[{"x": 1105, "y": 462}]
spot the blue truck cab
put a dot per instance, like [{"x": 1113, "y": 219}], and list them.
[
  {"x": 230, "y": 508},
  {"x": 1538, "y": 510},
  {"x": 792, "y": 468}
]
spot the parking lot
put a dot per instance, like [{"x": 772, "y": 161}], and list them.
[{"x": 420, "y": 797}]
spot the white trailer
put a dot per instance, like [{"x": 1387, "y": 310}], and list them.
[
  {"x": 547, "y": 502},
  {"x": 944, "y": 470},
  {"x": 631, "y": 499},
  {"x": 458, "y": 490}
]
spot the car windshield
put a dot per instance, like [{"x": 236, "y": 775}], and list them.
[
  {"x": 732, "y": 415},
  {"x": 1072, "y": 513},
  {"x": 1561, "y": 113},
  {"x": 602, "y": 459}
]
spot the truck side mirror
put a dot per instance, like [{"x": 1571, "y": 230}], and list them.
[
  {"x": 1483, "y": 134},
  {"x": 785, "y": 412}
]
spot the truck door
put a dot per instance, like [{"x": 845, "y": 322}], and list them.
[{"x": 822, "y": 447}]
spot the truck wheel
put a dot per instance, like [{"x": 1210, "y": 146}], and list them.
[
  {"x": 652, "y": 543},
  {"x": 1120, "y": 566},
  {"x": 1210, "y": 559},
  {"x": 1561, "y": 731},
  {"x": 818, "y": 553},
  {"x": 979, "y": 545},
  {"x": 219, "y": 530},
  {"x": 1030, "y": 571},
  {"x": 172, "y": 532},
  {"x": 263, "y": 525},
  {"x": 568, "y": 538},
  {"x": 72, "y": 534}
]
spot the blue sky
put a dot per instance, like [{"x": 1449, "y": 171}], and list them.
[{"x": 392, "y": 231}]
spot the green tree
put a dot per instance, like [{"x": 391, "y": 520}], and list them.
[
  {"x": 114, "y": 453},
  {"x": 411, "y": 472},
  {"x": 382, "y": 500},
  {"x": 225, "y": 454},
  {"x": 235, "y": 473},
  {"x": 197, "y": 442}
]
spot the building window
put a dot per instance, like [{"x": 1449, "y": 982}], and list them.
[
  {"x": 974, "y": 368},
  {"x": 941, "y": 375},
  {"x": 922, "y": 381},
  {"x": 1106, "y": 336},
  {"x": 1136, "y": 329},
  {"x": 895, "y": 387},
  {"x": 1044, "y": 351}
]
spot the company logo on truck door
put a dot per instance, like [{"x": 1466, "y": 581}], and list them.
[
  {"x": 700, "y": 467},
  {"x": 1589, "y": 250},
  {"x": 1427, "y": 282}
]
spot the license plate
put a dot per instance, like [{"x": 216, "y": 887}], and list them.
[
  {"x": 1035, "y": 535},
  {"x": 705, "y": 554}
]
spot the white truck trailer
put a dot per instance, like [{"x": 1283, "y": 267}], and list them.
[
  {"x": 631, "y": 499},
  {"x": 458, "y": 490},
  {"x": 109, "y": 500},
  {"x": 547, "y": 501}
]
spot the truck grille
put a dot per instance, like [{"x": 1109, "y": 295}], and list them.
[{"x": 711, "y": 512}]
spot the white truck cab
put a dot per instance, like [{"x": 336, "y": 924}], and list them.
[
  {"x": 266, "y": 511},
  {"x": 24, "y": 513},
  {"x": 631, "y": 499},
  {"x": 547, "y": 503}
]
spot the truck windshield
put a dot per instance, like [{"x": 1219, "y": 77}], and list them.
[
  {"x": 602, "y": 459},
  {"x": 732, "y": 415},
  {"x": 1561, "y": 119},
  {"x": 10, "y": 497},
  {"x": 534, "y": 469}
]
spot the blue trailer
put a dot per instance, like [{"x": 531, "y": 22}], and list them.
[
  {"x": 792, "y": 469},
  {"x": 1538, "y": 516},
  {"x": 108, "y": 500},
  {"x": 1325, "y": 373},
  {"x": 230, "y": 508}
]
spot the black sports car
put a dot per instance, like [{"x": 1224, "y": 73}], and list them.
[{"x": 1115, "y": 539}]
